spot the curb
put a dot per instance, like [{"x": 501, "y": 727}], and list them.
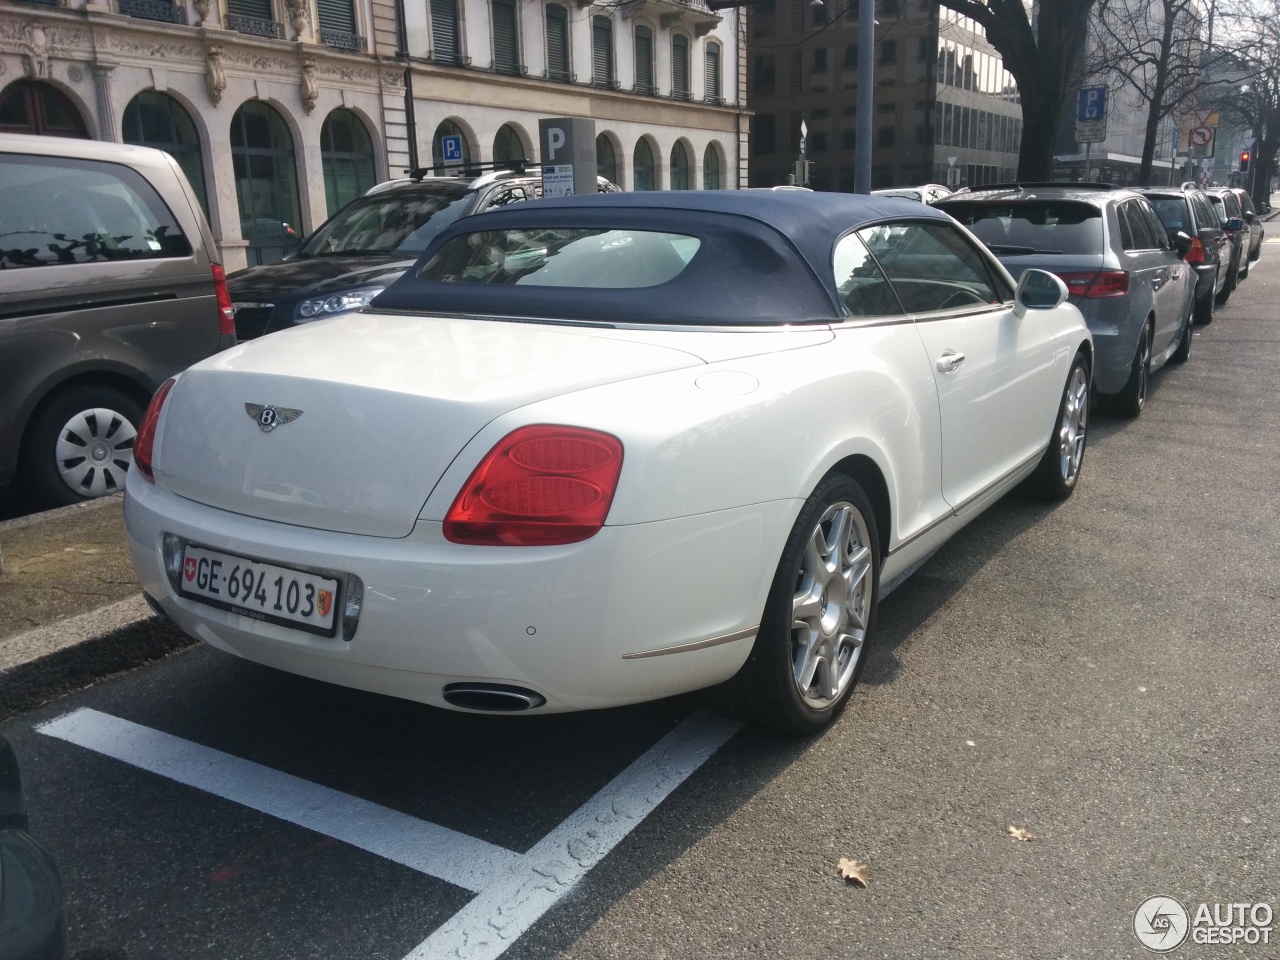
[{"x": 59, "y": 513}]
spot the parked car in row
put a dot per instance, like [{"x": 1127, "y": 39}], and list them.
[
  {"x": 1123, "y": 271},
  {"x": 600, "y": 450},
  {"x": 109, "y": 283},
  {"x": 1237, "y": 229},
  {"x": 1189, "y": 210},
  {"x": 364, "y": 247}
]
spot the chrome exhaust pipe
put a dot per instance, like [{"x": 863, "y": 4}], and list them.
[{"x": 492, "y": 697}]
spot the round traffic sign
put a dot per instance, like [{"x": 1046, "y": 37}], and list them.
[{"x": 1201, "y": 137}]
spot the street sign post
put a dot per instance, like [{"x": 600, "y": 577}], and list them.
[
  {"x": 568, "y": 156},
  {"x": 451, "y": 150},
  {"x": 1091, "y": 115}
]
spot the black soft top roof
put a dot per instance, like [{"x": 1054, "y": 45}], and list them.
[{"x": 765, "y": 257}]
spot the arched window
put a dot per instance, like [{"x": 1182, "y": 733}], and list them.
[
  {"x": 644, "y": 60},
  {"x": 713, "y": 92},
  {"x": 155, "y": 119},
  {"x": 711, "y": 169},
  {"x": 557, "y": 42},
  {"x": 602, "y": 51},
  {"x": 508, "y": 148},
  {"x": 679, "y": 167},
  {"x": 680, "y": 66},
  {"x": 266, "y": 182},
  {"x": 644, "y": 166},
  {"x": 446, "y": 38},
  {"x": 346, "y": 156},
  {"x": 606, "y": 159},
  {"x": 506, "y": 41},
  {"x": 28, "y": 106},
  {"x": 454, "y": 153}
]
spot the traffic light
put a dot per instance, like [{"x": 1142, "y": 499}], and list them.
[{"x": 1244, "y": 161}]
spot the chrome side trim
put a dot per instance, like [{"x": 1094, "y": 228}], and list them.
[{"x": 694, "y": 644}]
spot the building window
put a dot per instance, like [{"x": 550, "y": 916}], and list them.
[
  {"x": 266, "y": 176},
  {"x": 889, "y": 51},
  {"x": 644, "y": 60},
  {"x": 821, "y": 15},
  {"x": 711, "y": 179},
  {"x": 338, "y": 24},
  {"x": 885, "y": 137},
  {"x": 154, "y": 119},
  {"x": 346, "y": 158},
  {"x": 446, "y": 41},
  {"x": 557, "y": 42},
  {"x": 764, "y": 76},
  {"x": 606, "y": 159},
  {"x": 602, "y": 51},
  {"x": 645, "y": 168},
  {"x": 889, "y": 8},
  {"x": 764, "y": 18},
  {"x": 28, "y": 106},
  {"x": 849, "y": 138},
  {"x": 851, "y": 57},
  {"x": 820, "y": 60},
  {"x": 797, "y": 74},
  {"x": 680, "y": 66},
  {"x": 679, "y": 167},
  {"x": 506, "y": 42},
  {"x": 818, "y": 141},
  {"x": 508, "y": 148},
  {"x": 763, "y": 135},
  {"x": 712, "y": 80},
  {"x": 253, "y": 17}
]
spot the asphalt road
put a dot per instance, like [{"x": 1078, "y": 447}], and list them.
[{"x": 1102, "y": 673}]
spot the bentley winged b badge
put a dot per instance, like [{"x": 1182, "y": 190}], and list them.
[{"x": 269, "y": 416}]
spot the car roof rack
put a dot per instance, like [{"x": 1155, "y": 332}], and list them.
[
  {"x": 472, "y": 171},
  {"x": 1057, "y": 185}
]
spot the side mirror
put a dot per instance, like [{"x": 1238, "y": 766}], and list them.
[
  {"x": 1234, "y": 223},
  {"x": 1182, "y": 243},
  {"x": 1039, "y": 290},
  {"x": 1249, "y": 217}
]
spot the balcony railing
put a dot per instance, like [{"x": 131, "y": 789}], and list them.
[
  {"x": 255, "y": 27},
  {"x": 162, "y": 10},
  {"x": 341, "y": 40}
]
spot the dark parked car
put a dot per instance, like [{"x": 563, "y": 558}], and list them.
[
  {"x": 1256, "y": 229},
  {"x": 109, "y": 284},
  {"x": 1120, "y": 267},
  {"x": 367, "y": 245},
  {"x": 1237, "y": 230},
  {"x": 1190, "y": 211},
  {"x": 33, "y": 924}
]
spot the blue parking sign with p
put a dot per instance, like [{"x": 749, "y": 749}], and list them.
[
  {"x": 451, "y": 147},
  {"x": 1092, "y": 104}
]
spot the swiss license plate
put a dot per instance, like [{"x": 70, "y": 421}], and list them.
[{"x": 262, "y": 591}]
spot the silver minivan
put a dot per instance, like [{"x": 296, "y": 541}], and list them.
[
  {"x": 1121, "y": 268},
  {"x": 109, "y": 284}
]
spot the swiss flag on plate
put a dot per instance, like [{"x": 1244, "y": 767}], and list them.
[
  {"x": 189, "y": 568},
  {"x": 324, "y": 602}
]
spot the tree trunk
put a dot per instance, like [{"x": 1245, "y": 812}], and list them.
[{"x": 1039, "y": 132}]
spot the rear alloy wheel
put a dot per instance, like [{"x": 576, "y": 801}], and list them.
[
  {"x": 819, "y": 614},
  {"x": 80, "y": 445},
  {"x": 1059, "y": 468},
  {"x": 1130, "y": 401}
]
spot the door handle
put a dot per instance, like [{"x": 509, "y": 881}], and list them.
[{"x": 950, "y": 362}]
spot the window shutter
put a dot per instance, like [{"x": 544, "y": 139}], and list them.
[
  {"x": 644, "y": 60},
  {"x": 444, "y": 27},
  {"x": 337, "y": 15},
  {"x": 680, "y": 67},
  {"x": 713, "y": 94},
  {"x": 602, "y": 52},
  {"x": 506, "y": 57},
  {"x": 258, "y": 9},
  {"x": 557, "y": 43}
]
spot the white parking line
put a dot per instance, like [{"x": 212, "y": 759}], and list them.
[{"x": 514, "y": 890}]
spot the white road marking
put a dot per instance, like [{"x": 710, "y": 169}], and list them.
[
  {"x": 514, "y": 890},
  {"x": 426, "y": 847},
  {"x": 490, "y": 923}
]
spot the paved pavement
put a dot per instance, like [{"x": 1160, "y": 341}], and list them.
[{"x": 1102, "y": 673}]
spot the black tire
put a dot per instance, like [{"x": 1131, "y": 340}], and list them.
[
  {"x": 1204, "y": 309},
  {"x": 1130, "y": 400},
  {"x": 1054, "y": 478},
  {"x": 1232, "y": 280},
  {"x": 1183, "y": 353},
  {"x": 766, "y": 691},
  {"x": 1222, "y": 298},
  {"x": 42, "y": 473}
]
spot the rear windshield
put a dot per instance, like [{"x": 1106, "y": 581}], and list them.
[
  {"x": 1173, "y": 213},
  {"x": 390, "y": 222},
  {"x": 1033, "y": 226},
  {"x": 599, "y": 259}
]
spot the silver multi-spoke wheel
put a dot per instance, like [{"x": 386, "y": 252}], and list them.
[
  {"x": 1073, "y": 424},
  {"x": 94, "y": 451},
  {"x": 832, "y": 605}
]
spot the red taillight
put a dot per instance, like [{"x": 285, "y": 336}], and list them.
[
  {"x": 226, "y": 313},
  {"x": 1105, "y": 283},
  {"x": 144, "y": 445},
  {"x": 540, "y": 485},
  {"x": 1196, "y": 253}
]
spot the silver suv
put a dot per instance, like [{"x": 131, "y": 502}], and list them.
[
  {"x": 109, "y": 284},
  {"x": 1121, "y": 267}
]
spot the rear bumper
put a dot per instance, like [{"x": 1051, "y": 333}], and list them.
[
  {"x": 1115, "y": 326},
  {"x": 556, "y": 620}
]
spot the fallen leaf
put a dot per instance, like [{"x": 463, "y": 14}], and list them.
[
  {"x": 854, "y": 870},
  {"x": 1021, "y": 833}
]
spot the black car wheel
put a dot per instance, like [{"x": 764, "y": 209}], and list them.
[
  {"x": 1183, "y": 353},
  {"x": 1204, "y": 308},
  {"x": 1130, "y": 400}
]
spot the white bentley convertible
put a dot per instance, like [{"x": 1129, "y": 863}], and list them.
[{"x": 606, "y": 449}]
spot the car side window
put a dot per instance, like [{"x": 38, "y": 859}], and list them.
[
  {"x": 1205, "y": 217},
  {"x": 864, "y": 291},
  {"x": 1126, "y": 234},
  {"x": 932, "y": 266},
  {"x": 57, "y": 211},
  {"x": 1159, "y": 236},
  {"x": 507, "y": 196}
]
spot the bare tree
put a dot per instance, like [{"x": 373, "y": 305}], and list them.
[
  {"x": 1149, "y": 52},
  {"x": 1245, "y": 73},
  {"x": 1042, "y": 57}
]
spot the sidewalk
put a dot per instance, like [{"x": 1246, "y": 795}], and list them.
[{"x": 70, "y": 609}]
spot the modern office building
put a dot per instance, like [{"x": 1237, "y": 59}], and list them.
[{"x": 946, "y": 110}]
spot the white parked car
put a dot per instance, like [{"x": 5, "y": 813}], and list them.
[{"x": 640, "y": 444}]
